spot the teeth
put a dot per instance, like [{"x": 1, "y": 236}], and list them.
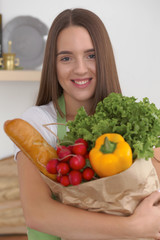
[{"x": 81, "y": 83}]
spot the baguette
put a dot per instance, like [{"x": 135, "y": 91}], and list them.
[{"x": 31, "y": 143}]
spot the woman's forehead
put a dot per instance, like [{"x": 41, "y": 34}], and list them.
[{"x": 74, "y": 38}]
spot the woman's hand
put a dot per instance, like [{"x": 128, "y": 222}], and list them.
[{"x": 147, "y": 217}]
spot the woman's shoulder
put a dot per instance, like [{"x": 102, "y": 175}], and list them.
[
  {"x": 38, "y": 116},
  {"x": 43, "y": 111}
]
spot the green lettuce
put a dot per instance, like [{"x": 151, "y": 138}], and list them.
[{"x": 137, "y": 122}]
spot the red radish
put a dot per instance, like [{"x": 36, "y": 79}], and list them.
[
  {"x": 77, "y": 162},
  {"x": 65, "y": 180},
  {"x": 52, "y": 166},
  {"x": 88, "y": 173},
  {"x": 63, "y": 168},
  {"x": 75, "y": 177},
  {"x": 58, "y": 178},
  {"x": 81, "y": 140},
  {"x": 70, "y": 147},
  {"x": 64, "y": 154},
  {"x": 60, "y": 147},
  {"x": 79, "y": 148}
]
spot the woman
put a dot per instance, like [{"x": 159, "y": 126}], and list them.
[{"x": 79, "y": 70}]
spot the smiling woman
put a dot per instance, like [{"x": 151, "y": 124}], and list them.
[{"x": 79, "y": 70}]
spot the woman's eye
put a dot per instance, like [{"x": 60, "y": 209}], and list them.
[
  {"x": 91, "y": 56},
  {"x": 65, "y": 59}
]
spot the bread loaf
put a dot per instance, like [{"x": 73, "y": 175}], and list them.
[{"x": 31, "y": 143}]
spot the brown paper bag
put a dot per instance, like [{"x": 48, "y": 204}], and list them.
[{"x": 118, "y": 194}]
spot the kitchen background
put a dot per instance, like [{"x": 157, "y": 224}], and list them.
[{"x": 134, "y": 29}]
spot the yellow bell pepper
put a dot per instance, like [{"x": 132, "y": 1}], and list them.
[{"x": 111, "y": 155}]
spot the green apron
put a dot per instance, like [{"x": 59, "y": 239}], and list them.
[{"x": 61, "y": 130}]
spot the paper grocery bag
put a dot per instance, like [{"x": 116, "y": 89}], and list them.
[{"x": 118, "y": 194}]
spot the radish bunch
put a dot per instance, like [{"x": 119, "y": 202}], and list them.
[{"x": 71, "y": 166}]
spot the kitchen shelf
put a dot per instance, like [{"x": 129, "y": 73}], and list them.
[{"x": 20, "y": 75}]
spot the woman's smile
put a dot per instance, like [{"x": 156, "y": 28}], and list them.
[{"x": 81, "y": 83}]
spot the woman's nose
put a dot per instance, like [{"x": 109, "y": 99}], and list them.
[{"x": 80, "y": 66}]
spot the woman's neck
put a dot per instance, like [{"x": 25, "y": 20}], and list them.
[{"x": 72, "y": 107}]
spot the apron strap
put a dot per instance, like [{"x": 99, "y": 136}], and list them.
[{"x": 61, "y": 129}]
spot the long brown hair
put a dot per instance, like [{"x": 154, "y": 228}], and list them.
[{"x": 107, "y": 78}]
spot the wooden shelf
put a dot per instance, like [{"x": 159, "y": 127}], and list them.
[{"x": 20, "y": 75}]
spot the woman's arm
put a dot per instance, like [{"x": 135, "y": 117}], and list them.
[{"x": 44, "y": 214}]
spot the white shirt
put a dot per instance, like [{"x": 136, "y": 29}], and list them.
[{"x": 37, "y": 116}]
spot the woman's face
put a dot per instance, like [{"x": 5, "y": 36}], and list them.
[{"x": 76, "y": 64}]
